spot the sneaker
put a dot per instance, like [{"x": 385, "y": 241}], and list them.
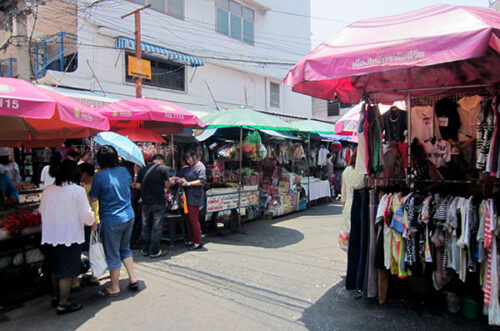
[
  {"x": 144, "y": 253},
  {"x": 158, "y": 254}
]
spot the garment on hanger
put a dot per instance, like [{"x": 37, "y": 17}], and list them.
[
  {"x": 484, "y": 134},
  {"x": 438, "y": 152},
  {"x": 423, "y": 123},
  {"x": 448, "y": 118},
  {"x": 394, "y": 124},
  {"x": 468, "y": 110},
  {"x": 322, "y": 156}
]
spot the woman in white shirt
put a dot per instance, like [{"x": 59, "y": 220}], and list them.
[
  {"x": 65, "y": 210},
  {"x": 48, "y": 174}
]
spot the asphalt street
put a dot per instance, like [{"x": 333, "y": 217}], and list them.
[{"x": 280, "y": 274}]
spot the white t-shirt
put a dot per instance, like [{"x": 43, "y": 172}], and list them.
[
  {"x": 423, "y": 123},
  {"x": 45, "y": 178},
  {"x": 65, "y": 210},
  {"x": 468, "y": 110},
  {"x": 438, "y": 153}
]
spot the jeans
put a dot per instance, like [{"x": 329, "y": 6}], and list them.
[
  {"x": 116, "y": 243},
  {"x": 152, "y": 227}
]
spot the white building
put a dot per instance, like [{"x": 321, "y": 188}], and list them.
[{"x": 204, "y": 53}]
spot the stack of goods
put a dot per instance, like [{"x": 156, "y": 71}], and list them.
[
  {"x": 20, "y": 223},
  {"x": 215, "y": 172}
]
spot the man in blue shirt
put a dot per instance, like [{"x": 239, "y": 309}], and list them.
[{"x": 7, "y": 191}]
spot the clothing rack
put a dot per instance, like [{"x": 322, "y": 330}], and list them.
[{"x": 434, "y": 181}]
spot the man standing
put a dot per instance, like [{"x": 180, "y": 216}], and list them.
[{"x": 152, "y": 181}]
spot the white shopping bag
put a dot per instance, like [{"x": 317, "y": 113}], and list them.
[{"x": 96, "y": 255}]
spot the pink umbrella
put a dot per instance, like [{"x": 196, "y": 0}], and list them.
[
  {"x": 140, "y": 134},
  {"x": 438, "y": 46},
  {"x": 160, "y": 116},
  {"x": 28, "y": 112}
]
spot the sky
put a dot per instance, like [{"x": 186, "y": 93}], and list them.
[{"x": 329, "y": 16}]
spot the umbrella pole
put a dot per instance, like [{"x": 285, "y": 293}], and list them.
[
  {"x": 308, "y": 167},
  {"x": 173, "y": 154},
  {"x": 408, "y": 131},
  {"x": 241, "y": 178}
]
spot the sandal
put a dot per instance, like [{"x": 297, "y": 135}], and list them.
[
  {"x": 106, "y": 294},
  {"x": 70, "y": 307},
  {"x": 133, "y": 286}
]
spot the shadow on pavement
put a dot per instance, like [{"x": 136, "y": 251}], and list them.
[
  {"x": 40, "y": 312},
  {"x": 261, "y": 233},
  {"x": 338, "y": 309}
]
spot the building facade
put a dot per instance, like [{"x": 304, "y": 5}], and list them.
[{"x": 204, "y": 54}]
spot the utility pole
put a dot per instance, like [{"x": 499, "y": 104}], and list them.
[
  {"x": 138, "y": 50},
  {"x": 22, "y": 47}
]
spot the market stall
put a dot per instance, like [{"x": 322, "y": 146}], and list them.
[
  {"x": 442, "y": 61},
  {"x": 31, "y": 117},
  {"x": 317, "y": 189},
  {"x": 252, "y": 148}
]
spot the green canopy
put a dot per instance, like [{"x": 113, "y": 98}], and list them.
[
  {"x": 244, "y": 118},
  {"x": 313, "y": 126}
]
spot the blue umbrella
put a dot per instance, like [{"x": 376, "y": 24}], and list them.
[{"x": 125, "y": 147}]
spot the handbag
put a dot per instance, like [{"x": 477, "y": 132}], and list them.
[{"x": 96, "y": 255}]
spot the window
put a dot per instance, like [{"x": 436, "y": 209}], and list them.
[
  {"x": 235, "y": 20},
  {"x": 274, "y": 95},
  {"x": 333, "y": 108},
  {"x": 164, "y": 73},
  {"x": 173, "y": 8}
]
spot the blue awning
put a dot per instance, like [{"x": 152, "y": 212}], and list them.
[{"x": 127, "y": 43}]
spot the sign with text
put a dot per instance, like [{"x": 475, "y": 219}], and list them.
[
  {"x": 226, "y": 201},
  {"x": 139, "y": 67}
]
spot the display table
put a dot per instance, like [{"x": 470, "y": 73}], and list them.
[{"x": 319, "y": 189}]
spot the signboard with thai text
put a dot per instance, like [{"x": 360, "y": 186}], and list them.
[
  {"x": 139, "y": 67},
  {"x": 226, "y": 201}
]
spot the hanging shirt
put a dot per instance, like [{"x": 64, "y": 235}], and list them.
[
  {"x": 484, "y": 135},
  {"x": 438, "y": 152},
  {"x": 322, "y": 156},
  {"x": 468, "y": 111},
  {"x": 423, "y": 123},
  {"x": 394, "y": 124},
  {"x": 351, "y": 179}
]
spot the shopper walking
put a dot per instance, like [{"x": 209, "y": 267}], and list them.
[
  {"x": 152, "y": 181},
  {"x": 65, "y": 210},
  {"x": 196, "y": 179},
  {"x": 111, "y": 186}
]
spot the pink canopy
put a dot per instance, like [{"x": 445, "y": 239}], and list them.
[
  {"x": 160, "y": 116},
  {"x": 28, "y": 112},
  {"x": 438, "y": 46},
  {"x": 140, "y": 134}
]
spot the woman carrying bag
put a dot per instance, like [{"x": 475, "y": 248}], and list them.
[{"x": 65, "y": 210}]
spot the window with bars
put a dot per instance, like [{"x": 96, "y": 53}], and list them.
[
  {"x": 235, "y": 20},
  {"x": 174, "y": 8},
  {"x": 274, "y": 95},
  {"x": 333, "y": 108},
  {"x": 164, "y": 73}
]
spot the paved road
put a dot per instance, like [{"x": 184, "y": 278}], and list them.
[{"x": 281, "y": 274}]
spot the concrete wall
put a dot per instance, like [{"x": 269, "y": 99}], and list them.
[{"x": 280, "y": 40}]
